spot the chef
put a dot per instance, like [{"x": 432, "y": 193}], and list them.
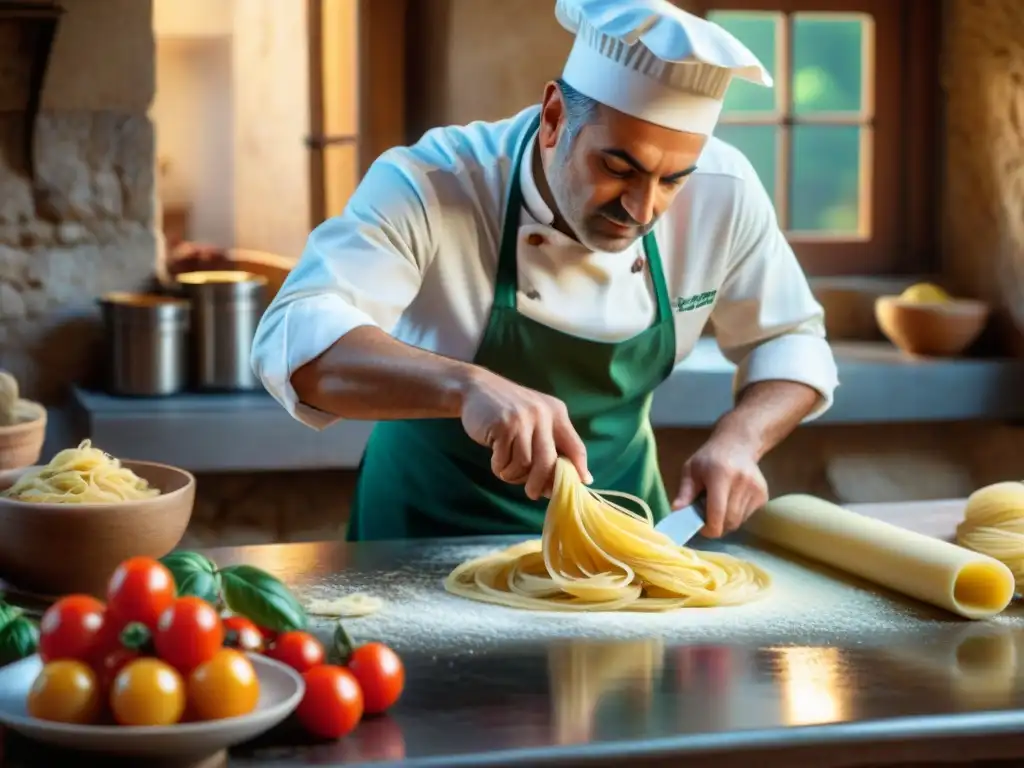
[{"x": 499, "y": 294}]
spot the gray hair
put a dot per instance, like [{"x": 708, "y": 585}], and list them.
[{"x": 579, "y": 109}]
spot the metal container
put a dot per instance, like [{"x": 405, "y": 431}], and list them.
[
  {"x": 226, "y": 308},
  {"x": 146, "y": 343}
]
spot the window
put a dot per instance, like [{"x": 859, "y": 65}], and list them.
[
  {"x": 842, "y": 140},
  {"x": 357, "y": 94}
]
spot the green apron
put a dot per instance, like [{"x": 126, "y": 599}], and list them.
[{"x": 427, "y": 478}]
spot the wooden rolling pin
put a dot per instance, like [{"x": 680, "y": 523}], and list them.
[{"x": 969, "y": 584}]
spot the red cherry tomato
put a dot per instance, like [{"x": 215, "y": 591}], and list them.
[
  {"x": 140, "y": 590},
  {"x": 111, "y": 664},
  {"x": 71, "y": 628},
  {"x": 299, "y": 650},
  {"x": 188, "y": 633},
  {"x": 109, "y": 639},
  {"x": 380, "y": 674},
  {"x": 269, "y": 635},
  {"x": 247, "y": 635},
  {"x": 332, "y": 705}
]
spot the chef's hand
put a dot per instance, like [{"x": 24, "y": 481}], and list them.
[
  {"x": 726, "y": 469},
  {"x": 525, "y": 430}
]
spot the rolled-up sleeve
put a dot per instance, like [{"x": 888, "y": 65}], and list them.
[
  {"x": 363, "y": 267},
  {"x": 766, "y": 319}
]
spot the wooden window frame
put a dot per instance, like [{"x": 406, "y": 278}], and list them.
[
  {"x": 905, "y": 122},
  {"x": 356, "y": 94}
]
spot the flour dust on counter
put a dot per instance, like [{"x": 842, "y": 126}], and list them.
[
  {"x": 806, "y": 606},
  {"x": 351, "y": 606}
]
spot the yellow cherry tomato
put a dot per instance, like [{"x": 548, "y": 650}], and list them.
[
  {"x": 925, "y": 293},
  {"x": 65, "y": 691},
  {"x": 148, "y": 692},
  {"x": 224, "y": 686}
]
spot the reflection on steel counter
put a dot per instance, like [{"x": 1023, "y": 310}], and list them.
[
  {"x": 563, "y": 699},
  {"x": 583, "y": 676},
  {"x": 981, "y": 669},
  {"x": 812, "y": 686}
]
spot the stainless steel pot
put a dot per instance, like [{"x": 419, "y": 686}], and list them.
[
  {"x": 146, "y": 343},
  {"x": 226, "y": 308}
]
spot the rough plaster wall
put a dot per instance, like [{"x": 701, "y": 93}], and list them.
[
  {"x": 983, "y": 82},
  {"x": 83, "y": 224},
  {"x": 461, "y": 72},
  {"x": 270, "y": 100}
]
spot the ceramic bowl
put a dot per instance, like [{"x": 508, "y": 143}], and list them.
[
  {"x": 944, "y": 329},
  {"x": 21, "y": 444},
  {"x": 56, "y": 549},
  {"x": 281, "y": 690}
]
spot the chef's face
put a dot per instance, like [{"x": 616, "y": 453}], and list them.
[{"x": 610, "y": 174}]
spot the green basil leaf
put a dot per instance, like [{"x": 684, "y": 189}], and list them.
[
  {"x": 19, "y": 639},
  {"x": 194, "y": 575},
  {"x": 192, "y": 560},
  {"x": 188, "y": 561},
  {"x": 206, "y": 586},
  {"x": 262, "y": 599},
  {"x": 8, "y": 613}
]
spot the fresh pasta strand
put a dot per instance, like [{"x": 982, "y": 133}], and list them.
[
  {"x": 595, "y": 555},
  {"x": 82, "y": 475}
]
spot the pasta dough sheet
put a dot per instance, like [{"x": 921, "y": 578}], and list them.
[{"x": 968, "y": 584}]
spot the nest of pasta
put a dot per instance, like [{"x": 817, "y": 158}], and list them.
[
  {"x": 595, "y": 555},
  {"x": 82, "y": 475}
]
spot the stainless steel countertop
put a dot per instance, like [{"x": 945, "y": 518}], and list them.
[
  {"x": 825, "y": 672},
  {"x": 830, "y": 663}
]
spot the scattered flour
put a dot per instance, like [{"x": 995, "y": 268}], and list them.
[{"x": 807, "y": 605}]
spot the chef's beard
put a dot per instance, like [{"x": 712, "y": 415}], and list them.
[{"x": 569, "y": 198}]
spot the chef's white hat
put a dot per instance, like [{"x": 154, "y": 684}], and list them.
[{"x": 654, "y": 61}]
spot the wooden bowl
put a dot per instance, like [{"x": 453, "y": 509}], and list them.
[
  {"x": 57, "y": 549},
  {"x": 931, "y": 330},
  {"x": 21, "y": 444}
]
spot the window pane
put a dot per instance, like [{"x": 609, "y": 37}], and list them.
[
  {"x": 757, "y": 31},
  {"x": 825, "y": 183},
  {"x": 759, "y": 143},
  {"x": 828, "y": 62}
]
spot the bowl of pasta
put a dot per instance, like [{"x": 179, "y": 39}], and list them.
[
  {"x": 68, "y": 523},
  {"x": 22, "y": 426}
]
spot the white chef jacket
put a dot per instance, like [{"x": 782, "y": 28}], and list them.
[{"x": 415, "y": 252}]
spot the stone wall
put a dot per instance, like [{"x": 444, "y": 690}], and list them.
[{"x": 82, "y": 222}]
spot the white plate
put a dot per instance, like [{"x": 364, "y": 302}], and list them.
[{"x": 281, "y": 690}]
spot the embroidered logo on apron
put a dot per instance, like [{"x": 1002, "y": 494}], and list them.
[{"x": 690, "y": 303}]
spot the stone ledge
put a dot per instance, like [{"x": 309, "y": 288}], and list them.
[{"x": 251, "y": 432}]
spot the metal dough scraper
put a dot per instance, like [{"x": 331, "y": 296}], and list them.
[{"x": 683, "y": 524}]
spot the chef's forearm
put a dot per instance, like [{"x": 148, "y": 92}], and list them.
[
  {"x": 368, "y": 375},
  {"x": 765, "y": 414}
]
